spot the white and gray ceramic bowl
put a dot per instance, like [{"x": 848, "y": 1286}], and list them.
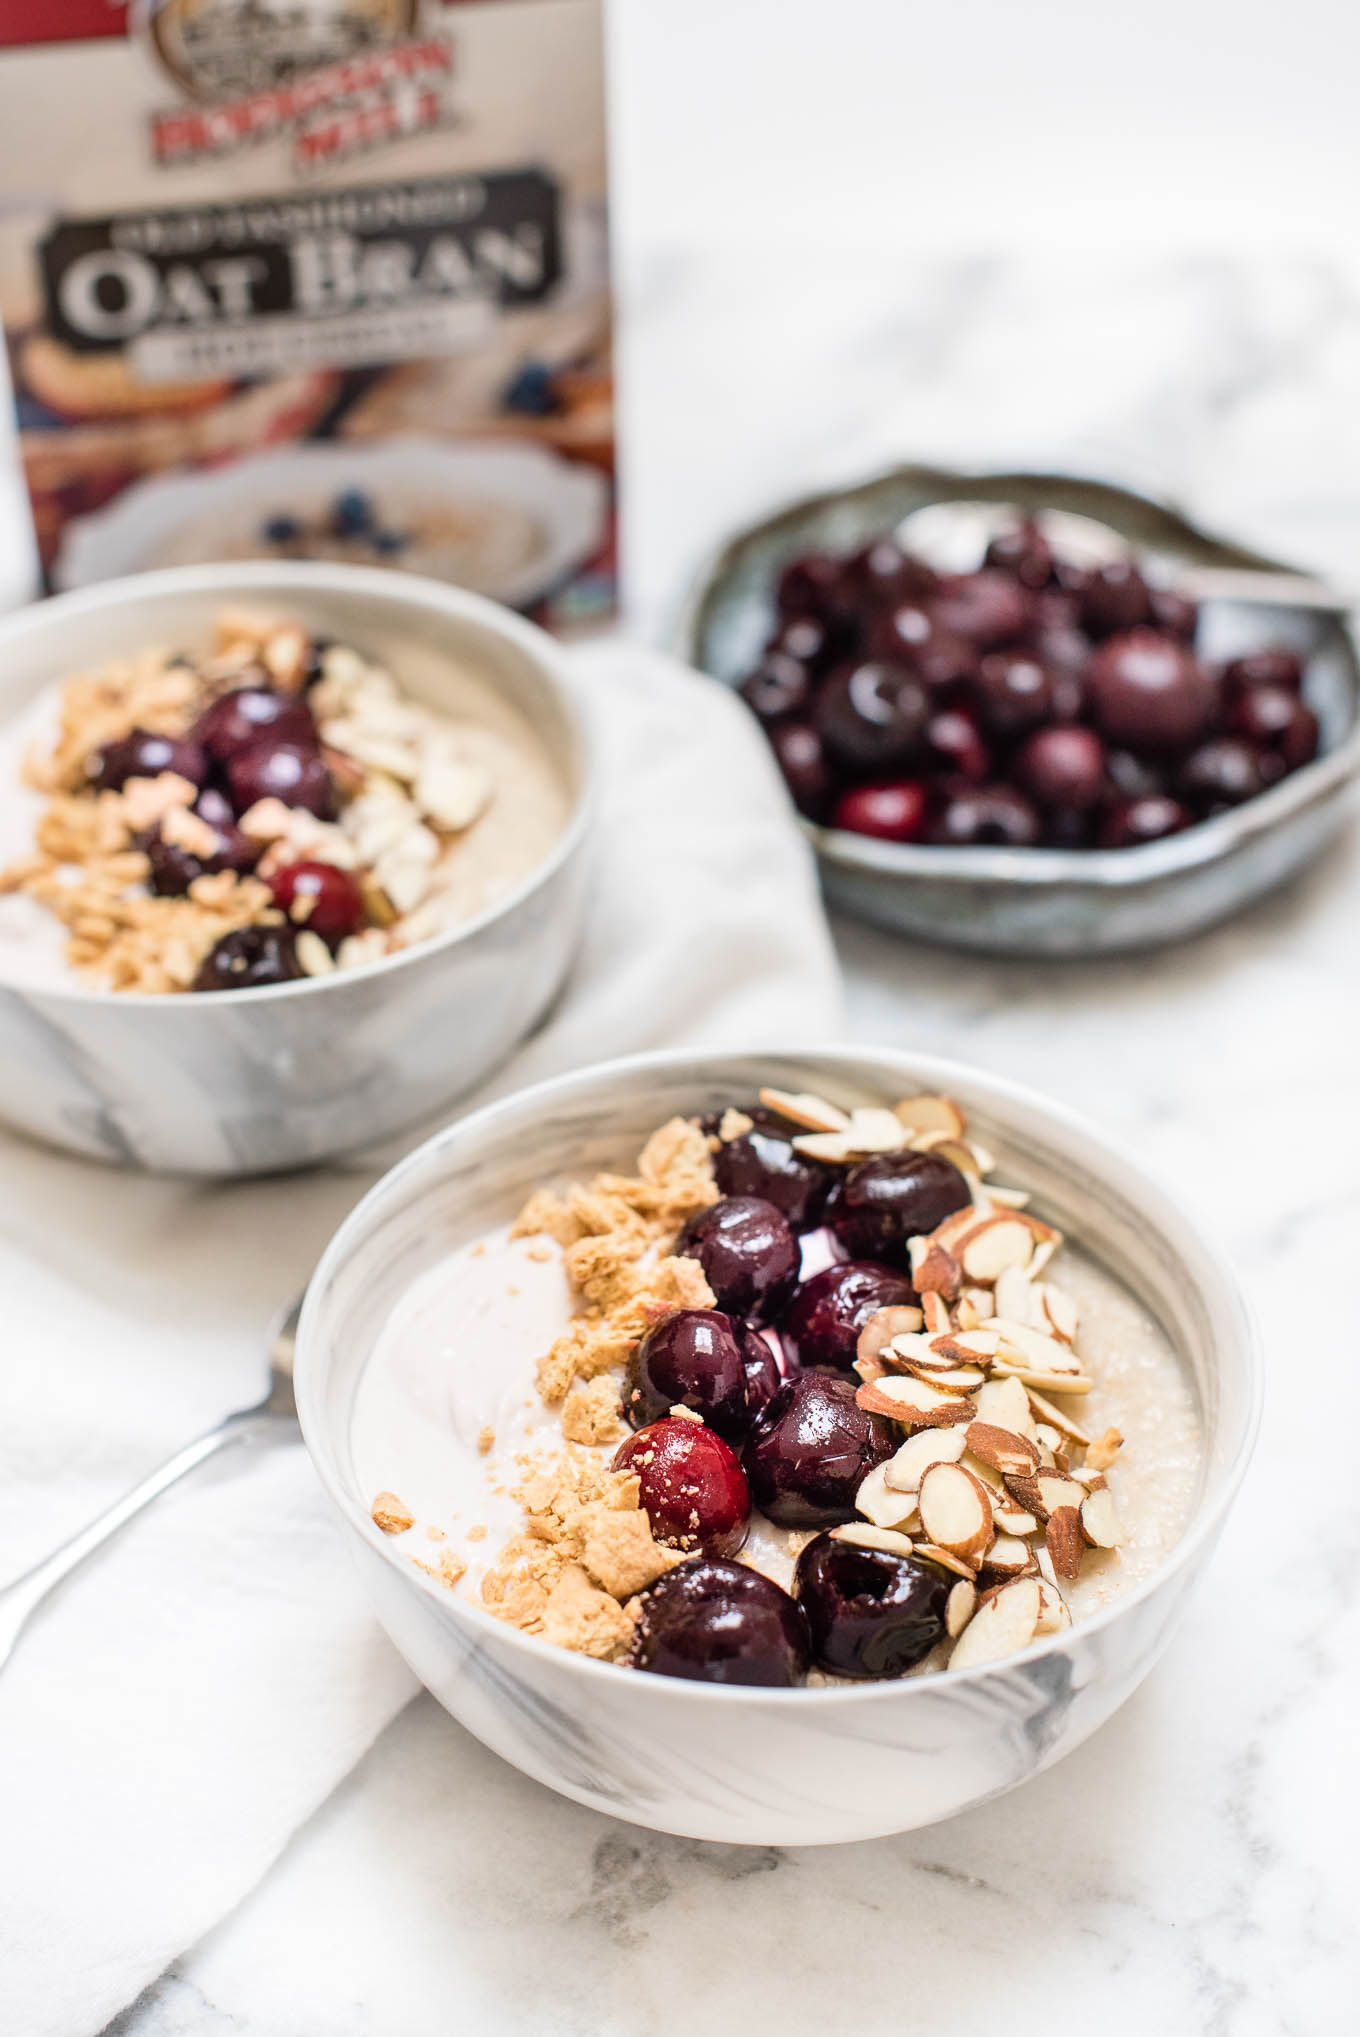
[
  {"x": 1054, "y": 901},
  {"x": 790, "y": 1767},
  {"x": 244, "y": 1082}
]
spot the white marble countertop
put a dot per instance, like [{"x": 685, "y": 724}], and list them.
[{"x": 1189, "y": 1869}]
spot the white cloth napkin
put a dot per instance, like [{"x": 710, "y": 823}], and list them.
[{"x": 190, "y": 1697}]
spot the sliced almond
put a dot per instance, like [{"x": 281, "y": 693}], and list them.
[
  {"x": 1025, "y": 1346},
  {"x": 800, "y": 1107},
  {"x": 1006, "y": 1403},
  {"x": 1053, "y": 1613},
  {"x": 1044, "y": 1492},
  {"x": 1045, "y": 1562},
  {"x": 1010, "y": 1198},
  {"x": 1007, "y": 1452},
  {"x": 959, "y": 1378},
  {"x": 1059, "y": 1311},
  {"x": 959, "y": 1607},
  {"x": 1101, "y": 1454},
  {"x": 970, "y": 1160},
  {"x": 934, "y": 1270},
  {"x": 973, "y": 1306},
  {"x": 832, "y": 1147},
  {"x": 1046, "y": 1382},
  {"x": 1056, "y": 1419},
  {"x": 935, "y": 1315},
  {"x": 880, "y": 1503},
  {"x": 1014, "y": 1295},
  {"x": 874, "y": 1538},
  {"x": 906, "y": 1399},
  {"x": 1013, "y": 1519},
  {"x": 994, "y": 1245},
  {"x": 1043, "y": 1252},
  {"x": 874, "y": 1131},
  {"x": 991, "y": 1478},
  {"x": 904, "y": 1472},
  {"x": 955, "y": 1511},
  {"x": 883, "y": 1325},
  {"x": 966, "y": 1347},
  {"x": 1063, "y": 1540},
  {"x": 947, "y": 1560},
  {"x": 931, "y": 1114},
  {"x": 1100, "y": 1522},
  {"x": 1010, "y": 1556},
  {"x": 1003, "y": 1624}
]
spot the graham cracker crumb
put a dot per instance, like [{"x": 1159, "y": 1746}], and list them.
[
  {"x": 578, "y": 1616},
  {"x": 622, "y": 1555},
  {"x": 477, "y": 1533},
  {"x": 611, "y": 1231},
  {"x": 541, "y": 1253},
  {"x": 435, "y": 1534},
  {"x": 486, "y": 1440},
  {"x": 591, "y": 1413},
  {"x": 733, "y": 1125},
  {"x": 390, "y": 1515},
  {"x": 448, "y": 1571}
]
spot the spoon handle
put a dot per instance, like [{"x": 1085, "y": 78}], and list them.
[{"x": 26, "y": 1593}]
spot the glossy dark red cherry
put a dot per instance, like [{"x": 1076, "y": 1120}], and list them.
[
  {"x": 801, "y": 637},
  {"x": 765, "y": 1162},
  {"x": 1148, "y": 818},
  {"x": 1014, "y": 693},
  {"x": 234, "y": 721},
  {"x": 319, "y": 896},
  {"x": 808, "y": 1452},
  {"x": 1149, "y": 691},
  {"x": 141, "y": 753},
  {"x": 1115, "y": 598},
  {"x": 1024, "y": 553},
  {"x": 1275, "y": 667},
  {"x": 250, "y": 959},
  {"x": 779, "y": 685},
  {"x": 882, "y": 574},
  {"x": 871, "y": 716},
  {"x": 1062, "y": 768},
  {"x": 870, "y": 1612},
  {"x": 909, "y": 635},
  {"x": 763, "y": 1374},
  {"x": 691, "y": 1484},
  {"x": 987, "y": 816},
  {"x": 1132, "y": 776},
  {"x": 895, "y": 812},
  {"x": 806, "y": 584},
  {"x": 748, "y": 1253},
  {"x": 801, "y": 757},
  {"x": 988, "y": 608},
  {"x": 822, "y": 1323},
  {"x": 1275, "y": 718},
  {"x": 719, "y": 1622},
  {"x": 878, "y": 1206},
  {"x": 1175, "y": 613},
  {"x": 290, "y": 772},
  {"x": 174, "y": 867},
  {"x": 691, "y": 1359},
  {"x": 1221, "y": 773},
  {"x": 955, "y": 747}
]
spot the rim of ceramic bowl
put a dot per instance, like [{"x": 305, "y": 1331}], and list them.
[
  {"x": 321, "y": 577},
  {"x": 1202, "y": 1528},
  {"x": 1205, "y": 842}
]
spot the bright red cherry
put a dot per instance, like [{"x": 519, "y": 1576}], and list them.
[
  {"x": 691, "y": 1484},
  {"x": 893, "y": 812},
  {"x": 321, "y": 897}
]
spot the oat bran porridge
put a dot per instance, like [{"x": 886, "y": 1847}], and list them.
[
  {"x": 807, "y": 1397},
  {"x": 275, "y": 806}
]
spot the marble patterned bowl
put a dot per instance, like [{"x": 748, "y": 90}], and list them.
[
  {"x": 1053, "y": 901},
  {"x": 790, "y": 1767},
  {"x": 245, "y": 1082}
]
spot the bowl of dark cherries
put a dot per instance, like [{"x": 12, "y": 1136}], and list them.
[{"x": 1009, "y": 726}]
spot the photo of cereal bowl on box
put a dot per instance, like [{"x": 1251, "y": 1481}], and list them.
[{"x": 511, "y": 521}]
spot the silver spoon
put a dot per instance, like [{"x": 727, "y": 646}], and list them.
[{"x": 271, "y": 1416}]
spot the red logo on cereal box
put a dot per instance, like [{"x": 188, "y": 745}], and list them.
[{"x": 334, "y": 77}]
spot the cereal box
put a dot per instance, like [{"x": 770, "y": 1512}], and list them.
[{"x": 312, "y": 278}]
